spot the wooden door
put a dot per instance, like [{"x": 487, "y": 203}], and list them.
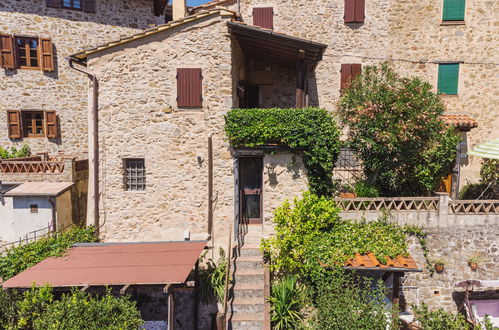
[{"x": 250, "y": 190}]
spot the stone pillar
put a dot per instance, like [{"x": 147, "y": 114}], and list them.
[
  {"x": 443, "y": 209},
  {"x": 179, "y": 9}
]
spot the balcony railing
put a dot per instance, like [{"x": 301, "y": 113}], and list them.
[{"x": 392, "y": 204}]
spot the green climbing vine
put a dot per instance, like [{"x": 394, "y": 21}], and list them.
[{"x": 311, "y": 131}]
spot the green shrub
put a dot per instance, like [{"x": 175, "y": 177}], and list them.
[
  {"x": 287, "y": 301},
  {"x": 212, "y": 278},
  {"x": 362, "y": 189},
  {"x": 311, "y": 237},
  {"x": 489, "y": 172},
  {"x": 14, "y": 152},
  {"x": 439, "y": 319},
  {"x": 20, "y": 258},
  {"x": 311, "y": 131},
  {"x": 476, "y": 190},
  {"x": 396, "y": 127},
  {"x": 344, "y": 302}
]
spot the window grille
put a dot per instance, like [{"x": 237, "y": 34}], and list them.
[{"x": 135, "y": 174}]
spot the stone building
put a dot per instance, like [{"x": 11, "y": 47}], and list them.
[{"x": 41, "y": 98}]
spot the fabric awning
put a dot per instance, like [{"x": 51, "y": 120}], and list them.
[
  {"x": 100, "y": 264},
  {"x": 489, "y": 150},
  {"x": 478, "y": 283}
]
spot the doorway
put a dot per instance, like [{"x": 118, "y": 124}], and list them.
[{"x": 250, "y": 190}]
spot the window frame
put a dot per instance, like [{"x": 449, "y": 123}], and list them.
[
  {"x": 24, "y": 127},
  {"x": 27, "y": 52},
  {"x": 453, "y": 21},
  {"x": 71, "y": 7},
  {"x": 128, "y": 178}
]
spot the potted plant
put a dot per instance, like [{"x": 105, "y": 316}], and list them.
[
  {"x": 473, "y": 262},
  {"x": 347, "y": 191},
  {"x": 439, "y": 264}
]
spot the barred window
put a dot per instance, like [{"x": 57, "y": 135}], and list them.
[{"x": 135, "y": 174}]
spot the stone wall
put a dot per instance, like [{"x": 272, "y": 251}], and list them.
[
  {"x": 406, "y": 33},
  {"x": 63, "y": 90}
]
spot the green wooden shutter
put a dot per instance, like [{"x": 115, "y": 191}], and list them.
[
  {"x": 448, "y": 78},
  {"x": 454, "y": 10}
]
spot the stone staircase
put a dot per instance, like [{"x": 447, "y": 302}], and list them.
[{"x": 247, "y": 304}]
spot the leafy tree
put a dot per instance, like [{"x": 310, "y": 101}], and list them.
[
  {"x": 311, "y": 131},
  {"x": 19, "y": 258},
  {"x": 396, "y": 127}
]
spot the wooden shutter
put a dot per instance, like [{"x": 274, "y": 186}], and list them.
[
  {"x": 53, "y": 3},
  {"x": 7, "y": 57},
  {"x": 14, "y": 123},
  {"x": 360, "y": 10},
  {"x": 356, "y": 69},
  {"x": 448, "y": 78},
  {"x": 89, "y": 6},
  {"x": 349, "y": 16},
  {"x": 46, "y": 54},
  {"x": 51, "y": 124},
  {"x": 454, "y": 10},
  {"x": 263, "y": 17},
  {"x": 189, "y": 88},
  {"x": 348, "y": 74}
]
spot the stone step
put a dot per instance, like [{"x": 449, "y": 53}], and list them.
[
  {"x": 248, "y": 293},
  {"x": 250, "y": 252},
  {"x": 249, "y": 262},
  {"x": 248, "y": 305},
  {"x": 247, "y": 325},
  {"x": 248, "y": 276}
]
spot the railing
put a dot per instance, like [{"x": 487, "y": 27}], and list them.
[
  {"x": 389, "y": 204},
  {"x": 30, "y": 237},
  {"x": 34, "y": 167},
  {"x": 474, "y": 207}
]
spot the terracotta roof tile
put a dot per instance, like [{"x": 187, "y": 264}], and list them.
[
  {"x": 212, "y": 4},
  {"x": 369, "y": 261},
  {"x": 460, "y": 121}
]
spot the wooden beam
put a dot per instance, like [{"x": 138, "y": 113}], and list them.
[
  {"x": 84, "y": 288},
  {"x": 171, "y": 311},
  {"x": 301, "y": 82},
  {"x": 396, "y": 288},
  {"x": 123, "y": 289}
]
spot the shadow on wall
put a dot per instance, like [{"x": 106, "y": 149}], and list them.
[{"x": 280, "y": 164}]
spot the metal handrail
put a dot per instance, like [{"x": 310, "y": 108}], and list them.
[{"x": 227, "y": 271}]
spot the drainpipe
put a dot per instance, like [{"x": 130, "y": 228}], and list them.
[
  {"x": 93, "y": 148},
  {"x": 238, "y": 10},
  {"x": 54, "y": 217}
]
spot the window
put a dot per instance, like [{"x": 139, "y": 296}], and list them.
[
  {"x": 448, "y": 78},
  {"x": 33, "y": 208},
  {"x": 26, "y": 52},
  {"x": 32, "y": 123},
  {"x": 85, "y": 5},
  {"x": 189, "y": 88},
  {"x": 453, "y": 10},
  {"x": 263, "y": 17},
  {"x": 135, "y": 174},
  {"x": 72, "y": 4},
  {"x": 354, "y": 11},
  {"x": 348, "y": 74}
]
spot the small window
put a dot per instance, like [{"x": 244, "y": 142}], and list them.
[
  {"x": 454, "y": 10},
  {"x": 264, "y": 17},
  {"x": 28, "y": 52},
  {"x": 71, "y": 4},
  {"x": 354, "y": 11},
  {"x": 33, "y": 208},
  {"x": 189, "y": 88},
  {"x": 135, "y": 174},
  {"x": 33, "y": 123},
  {"x": 448, "y": 78},
  {"x": 348, "y": 73}
]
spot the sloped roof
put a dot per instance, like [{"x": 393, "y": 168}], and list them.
[
  {"x": 462, "y": 122},
  {"x": 160, "y": 28},
  {"x": 211, "y": 4},
  {"x": 370, "y": 262},
  {"x": 50, "y": 189},
  {"x": 99, "y": 264}
]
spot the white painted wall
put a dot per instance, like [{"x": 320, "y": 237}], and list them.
[{"x": 16, "y": 219}]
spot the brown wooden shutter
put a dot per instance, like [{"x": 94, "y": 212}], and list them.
[
  {"x": 14, "y": 123},
  {"x": 356, "y": 69},
  {"x": 51, "y": 124},
  {"x": 346, "y": 75},
  {"x": 349, "y": 16},
  {"x": 89, "y": 6},
  {"x": 263, "y": 17},
  {"x": 46, "y": 54},
  {"x": 7, "y": 57},
  {"x": 189, "y": 88},
  {"x": 360, "y": 9},
  {"x": 53, "y": 3}
]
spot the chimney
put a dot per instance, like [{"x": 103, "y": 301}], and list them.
[{"x": 179, "y": 9}]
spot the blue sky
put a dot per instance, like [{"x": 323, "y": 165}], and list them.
[{"x": 196, "y": 2}]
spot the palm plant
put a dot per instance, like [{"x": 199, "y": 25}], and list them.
[{"x": 286, "y": 304}]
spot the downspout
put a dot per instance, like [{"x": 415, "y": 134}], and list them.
[
  {"x": 52, "y": 202},
  {"x": 238, "y": 10},
  {"x": 93, "y": 147}
]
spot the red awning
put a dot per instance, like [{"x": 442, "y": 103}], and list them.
[{"x": 98, "y": 264}]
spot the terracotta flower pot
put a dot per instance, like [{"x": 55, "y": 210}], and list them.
[
  {"x": 439, "y": 268},
  {"x": 473, "y": 265},
  {"x": 348, "y": 195}
]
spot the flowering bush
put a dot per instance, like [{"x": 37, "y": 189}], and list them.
[{"x": 395, "y": 125}]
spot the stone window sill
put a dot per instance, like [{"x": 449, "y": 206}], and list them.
[{"x": 447, "y": 23}]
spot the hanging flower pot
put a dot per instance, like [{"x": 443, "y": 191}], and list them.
[
  {"x": 473, "y": 265},
  {"x": 439, "y": 268}
]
